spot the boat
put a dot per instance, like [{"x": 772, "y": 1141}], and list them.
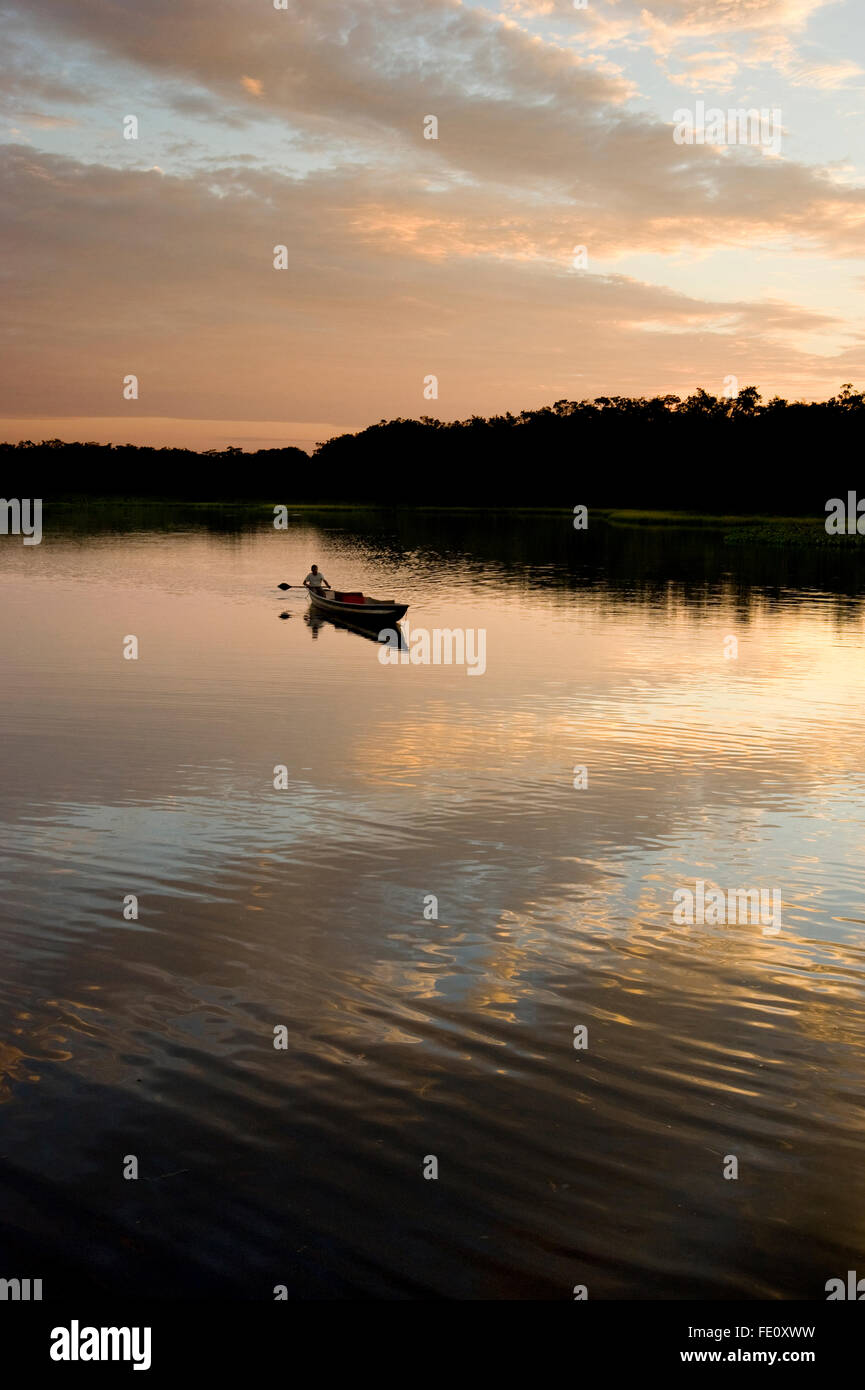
[{"x": 357, "y": 608}]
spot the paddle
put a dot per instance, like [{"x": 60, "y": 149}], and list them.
[{"x": 292, "y": 586}]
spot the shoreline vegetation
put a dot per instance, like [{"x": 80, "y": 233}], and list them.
[
  {"x": 608, "y": 516},
  {"x": 746, "y": 529},
  {"x": 761, "y": 472}
]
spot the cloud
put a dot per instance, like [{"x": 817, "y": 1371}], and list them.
[
  {"x": 42, "y": 121},
  {"x": 803, "y": 72},
  {"x": 669, "y": 21},
  {"x": 676, "y": 19},
  {"x": 172, "y": 279},
  {"x": 407, "y": 256},
  {"x": 712, "y": 69},
  {"x": 518, "y": 118},
  {"x": 747, "y": 33}
]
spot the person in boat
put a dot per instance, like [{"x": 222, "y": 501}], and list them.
[{"x": 315, "y": 581}]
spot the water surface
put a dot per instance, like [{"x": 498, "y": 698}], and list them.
[{"x": 410, "y": 1036}]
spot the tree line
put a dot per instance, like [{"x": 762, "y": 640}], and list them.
[{"x": 699, "y": 453}]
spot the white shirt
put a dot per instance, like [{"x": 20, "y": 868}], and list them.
[{"x": 317, "y": 581}]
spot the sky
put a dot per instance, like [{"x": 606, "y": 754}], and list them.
[{"x": 422, "y": 276}]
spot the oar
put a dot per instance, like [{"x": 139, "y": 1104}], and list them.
[
  {"x": 292, "y": 586},
  {"x": 289, "y": 586}
]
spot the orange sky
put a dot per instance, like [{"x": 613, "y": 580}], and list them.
[{"x": 406, "y": 257}]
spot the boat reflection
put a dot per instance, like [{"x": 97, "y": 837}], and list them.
[{"x": 316, "y": 621}]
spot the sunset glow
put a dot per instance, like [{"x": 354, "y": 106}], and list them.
[{"x": 304, "y": 126}]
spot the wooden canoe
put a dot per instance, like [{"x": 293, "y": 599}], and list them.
[{"x": 358, "y": 608}]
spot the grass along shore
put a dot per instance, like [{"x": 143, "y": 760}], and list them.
[{"x": 738, "y": 527}]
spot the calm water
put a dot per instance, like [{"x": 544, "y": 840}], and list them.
[{"x": 409, "y": 1037}]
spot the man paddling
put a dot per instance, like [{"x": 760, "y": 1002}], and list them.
[{"x": 315, "y": 581}]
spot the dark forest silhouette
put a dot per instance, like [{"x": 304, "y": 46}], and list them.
[{"x": 702, "y": 453}]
